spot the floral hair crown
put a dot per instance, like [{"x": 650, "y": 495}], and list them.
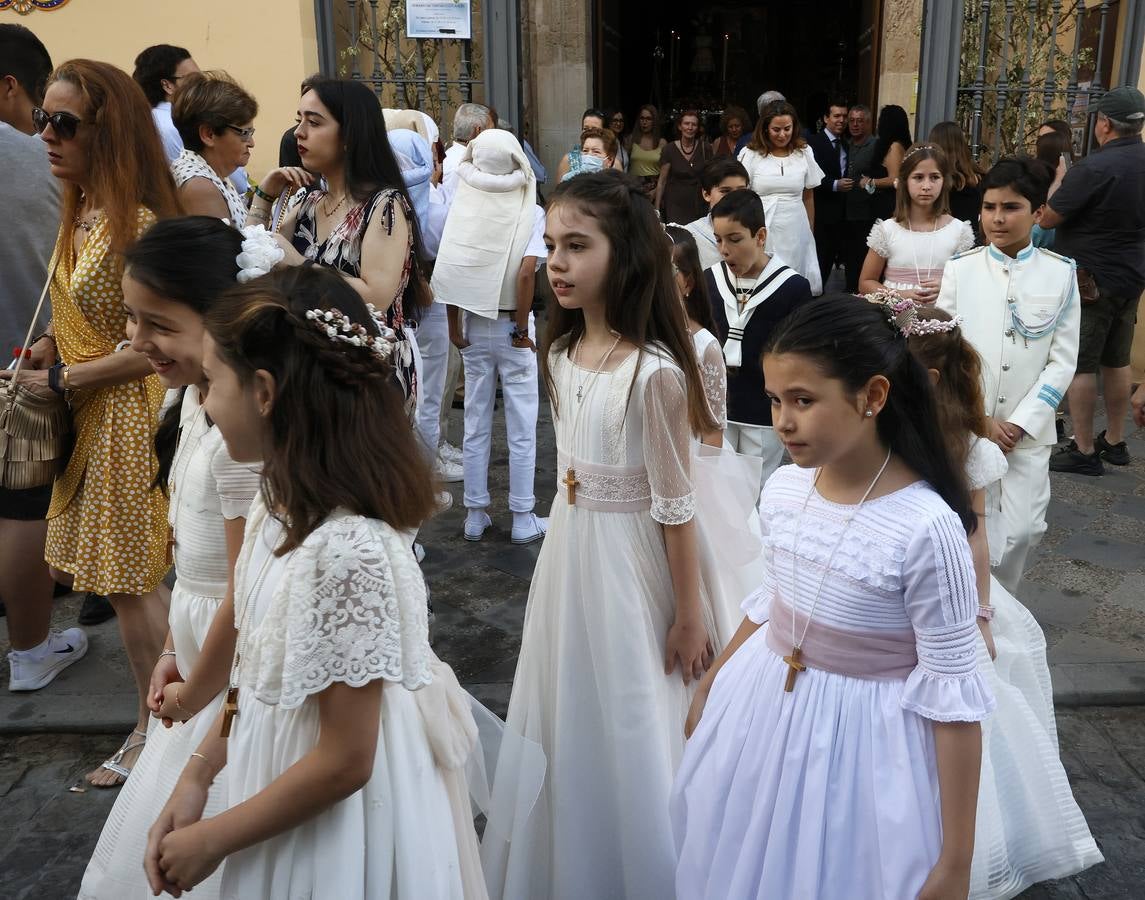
[
  {"x": 338, "y": 327},
  {"x": 902, "y": 314}
]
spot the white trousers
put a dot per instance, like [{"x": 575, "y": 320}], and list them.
[
  {"x": 433, "y": 341},
  {"x": 756, "y": 440},
  {"x": 1019, "y": 516},
  {"x": 489, "y": 355}
]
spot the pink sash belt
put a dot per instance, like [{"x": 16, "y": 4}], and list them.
[{"x": 882, "y": 654}]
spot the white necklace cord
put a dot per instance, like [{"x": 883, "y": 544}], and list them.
[{"x": 827, "y": 567}]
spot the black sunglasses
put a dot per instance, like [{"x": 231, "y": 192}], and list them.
[{"x": 64, "y": 124}]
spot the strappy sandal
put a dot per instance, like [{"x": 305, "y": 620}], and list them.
[{"x": 115, "y": 762}]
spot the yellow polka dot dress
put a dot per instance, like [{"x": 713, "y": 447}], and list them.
[{"x": 106, "y": 526}]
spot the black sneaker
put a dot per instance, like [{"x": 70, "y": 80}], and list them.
[
  {"x": 1071, "y": 459},
  {"x": 1114, "y": 454},
  {"x": 96, "y": 609}
]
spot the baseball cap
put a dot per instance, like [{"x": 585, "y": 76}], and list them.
[{"x": 1123, "y": 104}]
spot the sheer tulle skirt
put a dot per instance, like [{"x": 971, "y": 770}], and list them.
[{"x": 1030, "y": 828}]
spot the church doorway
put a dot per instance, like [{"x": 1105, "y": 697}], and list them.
[{"x": 678, "y": 54}]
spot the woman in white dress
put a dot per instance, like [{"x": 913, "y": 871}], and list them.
[
  {"x": 619, "y": 623},
  {"x": 784, "y": 173},
  {"x": 215, "y": 117},
  {"x": 1029, "y": 828},
  {"x": 341, "y": 736},
  {"x": 907, "y": 253},
  {"x": 836, "y": 741},
  {"x": 175, "y": 272}
]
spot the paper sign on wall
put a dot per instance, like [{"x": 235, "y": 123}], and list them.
[{"x": 440, "y": 19}]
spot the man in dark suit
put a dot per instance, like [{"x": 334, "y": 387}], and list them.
[{"x": 830, "y": 149}]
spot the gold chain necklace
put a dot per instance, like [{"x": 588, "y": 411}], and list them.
[{"x": 329, "y": 212}]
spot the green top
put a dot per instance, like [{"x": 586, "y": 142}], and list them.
[{"x": 645, "y": 163}]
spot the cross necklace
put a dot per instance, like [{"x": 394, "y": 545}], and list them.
[
  {"x": 794, "y": 666},
  {"x": 231, "y": 703},
  {"x": 570, "y": 481}
]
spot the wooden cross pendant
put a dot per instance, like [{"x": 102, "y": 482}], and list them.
[
  {"x": 794, "y": 667},
  {"x": 572, "y": 484},
  {"x": 230, "y": 710}
]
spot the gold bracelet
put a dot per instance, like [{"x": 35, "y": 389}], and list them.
[
  {"x": 64, "y": 377},
  {"x": 200, "y": 756}
]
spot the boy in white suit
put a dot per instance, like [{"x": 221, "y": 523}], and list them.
[{"x": 1022, "y": 314}]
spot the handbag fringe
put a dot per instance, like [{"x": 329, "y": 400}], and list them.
[{"x": 34, "y": 435}]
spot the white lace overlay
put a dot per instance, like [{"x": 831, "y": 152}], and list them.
[
  {"x": 714, "y": 374},
  {"x": 985, "y": 463},
  {"x": 350, "y": 608},
  {"x": 677, "y": 511}
]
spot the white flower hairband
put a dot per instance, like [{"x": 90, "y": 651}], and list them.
[
  {"x": 338, "y": 327},
  {"x": 902, "y": 313},
  {"x": 260, "y": 253}
]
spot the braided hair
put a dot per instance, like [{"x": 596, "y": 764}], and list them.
[
  {"x": 641, "y": 303},
  {"x": 338, "y": 436},
  {"x": 852, "y": 340}
]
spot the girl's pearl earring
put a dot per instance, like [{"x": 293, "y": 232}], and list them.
[{"x": 868, "y": 413}]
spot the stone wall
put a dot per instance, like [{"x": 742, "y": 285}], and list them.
[
  {"x": 899, "y": 54},
  {"x": 558, "y": 84}
]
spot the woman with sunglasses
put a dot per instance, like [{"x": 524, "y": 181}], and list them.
[
  {"x": 214, "y": 116},
  {"x": 107, "y": 524}
]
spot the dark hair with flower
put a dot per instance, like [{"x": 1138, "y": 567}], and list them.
[{"x": 338, "y": 434}]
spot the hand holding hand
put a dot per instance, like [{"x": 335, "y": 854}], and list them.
[
  {"x": 689, "y": 644},
  {"x": 1005, "y": 434},
  {"x": 188, "y": 856},
  {"x": 183, "y": 808},
  {"x": 165, "y": 672},
  {"x": 172, "y": 707}
]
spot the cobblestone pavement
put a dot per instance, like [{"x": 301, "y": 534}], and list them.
[{"x": 47, "y": 832}]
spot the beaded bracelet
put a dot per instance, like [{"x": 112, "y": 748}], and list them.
[
  {"x": 985, "y": 613},
  {"x": 259, "y": 192}
]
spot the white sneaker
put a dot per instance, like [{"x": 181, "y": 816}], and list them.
[
  {"x": 447, "y": 471},
  {"x": 535, "y": 530},
  {"x": 450, "y": 453},
  {"x": 31, "y": 670},
  {"x": 443, "y": 501},
  {"x": 475, "y": 525}
]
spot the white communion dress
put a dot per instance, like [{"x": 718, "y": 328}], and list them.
[
  {"x": 916, "y": 256},
  {"x": 1029, "y": 826},
  {"x": 590, "y": 686},
  {"x": 207, "y": 487},
  {"x": 831, "y": 790},
  {"x": 347, "y": 605},
  {"x": 780, "y": 182}
]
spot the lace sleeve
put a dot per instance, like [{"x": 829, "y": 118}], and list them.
[
  {"x": 941, "y": 600},
  {"x": 667, "y": 445},
  {"x": 715, "y": 376},
  {"x": 965, "y": 238},
  {"x": 236, "y": 483},
  {"x": 878, "y": 240},
  {"x": 354, "y": 612},
  {"x": 985, "y": 464}
]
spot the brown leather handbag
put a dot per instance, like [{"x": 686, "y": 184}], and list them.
[
  {"x": 1086, "y": 286},
  {"x": 35, "y": 427}
]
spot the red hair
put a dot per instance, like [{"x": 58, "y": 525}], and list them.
[{"x": 127, "y": 167}]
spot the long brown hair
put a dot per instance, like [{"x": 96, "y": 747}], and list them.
[
  {"x": 915, "y": 155},
  {"x": 961, "y": 406},
  {"x": 127, "y": 167},
  {"x": 686, "y": 258},
  {"x": 951, "y": 141},
  {"x": 761, "y": 140},
  {"x": 339, "y": 436},
  {"x": 641, "y": 303}
]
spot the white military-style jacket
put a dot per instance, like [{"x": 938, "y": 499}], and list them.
[{"x": 1023, "y": 316}]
